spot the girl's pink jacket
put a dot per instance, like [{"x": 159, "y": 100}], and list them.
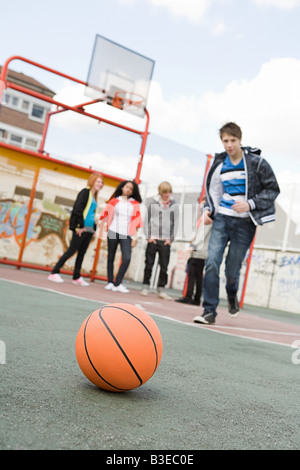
[{"x": 136, "y": 221}]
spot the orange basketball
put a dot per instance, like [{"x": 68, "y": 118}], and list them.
[{"x": 118, "y": 347}]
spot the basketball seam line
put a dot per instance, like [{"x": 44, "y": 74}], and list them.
[
  {"x": 148, "y": 331},
  {"x": 121, "y": 349},
  {"x": 119, "y": 345},
  {"x": 85, "y": 346}
]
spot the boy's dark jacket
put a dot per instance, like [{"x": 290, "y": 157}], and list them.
[
  {"x": 261, "y": 186},
  {"x": 80, "y": 209}
]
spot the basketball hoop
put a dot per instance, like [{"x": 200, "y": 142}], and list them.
[{"x": 127, "y": 100}]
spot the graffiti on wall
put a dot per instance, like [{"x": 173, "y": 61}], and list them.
[
  {"x": 289, "y": 276},
  {"x": 41, "y": 224}
]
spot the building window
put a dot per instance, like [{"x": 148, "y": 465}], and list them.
[
  {"x": 16, "y": 139},
  {"x": 7, "y": 98},
  {"x": 31, "y": 143},
  {"x": 15, "y": 101},
  {"x": 25, "y": 105},
  {"x": 37, "y": 112},
  {"x": 22, "y": 191}
]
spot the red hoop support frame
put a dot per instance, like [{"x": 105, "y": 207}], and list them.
[
  {"x": 64, "y": 107},
  {"x": 61, "y": 107}
]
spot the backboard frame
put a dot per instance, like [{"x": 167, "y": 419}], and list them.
[{"x": 115, "y": 68}]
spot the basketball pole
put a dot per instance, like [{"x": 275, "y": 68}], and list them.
[
  {"x": 144, "y": 136},
  {"x": 248, "y": 261},
  {"x": 28, "y": 216}
]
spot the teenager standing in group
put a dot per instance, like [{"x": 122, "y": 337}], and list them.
[
  {"x": 160, "y": 230},
  {"x": 82, "y": 224},
  {"x": 122, "y": 214},
  {"x": 241, "y": 188},
  {"x": 196, "y": 263}
]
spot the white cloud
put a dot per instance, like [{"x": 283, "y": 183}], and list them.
[
  {"x": 266, "y": 107},
  {"x": 281, "y": 4},
  {"x": 179, "y": 113},
  {"x": 193, "y": 10},
  {"x": 166, "y": 116},
  {"x": 218, "y": 28},
  {"x": 154, "y": 166},
  {"x": 179, "y": 172}
]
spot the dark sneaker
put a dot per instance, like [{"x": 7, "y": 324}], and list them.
[
  {"x": 184, "y": 300},
  {"x": 233, "y": 306},
  {"x": 208, "y": 318}
]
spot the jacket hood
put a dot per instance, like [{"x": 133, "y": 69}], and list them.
[
  {"x": 157, "y": 199},
  {"x": 246, "y": 150},
  {"x": 254, "y": 150}
]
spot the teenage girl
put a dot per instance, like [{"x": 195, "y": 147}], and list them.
[
  {"x": 123, "y": 217},
  {"x": 82, "y": 223}
]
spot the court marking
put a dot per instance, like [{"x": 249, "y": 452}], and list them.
[
  {"x": 210, "y": 328},
  {"x": 213, "y": 329},
  {"x": 253, "y": 330}
]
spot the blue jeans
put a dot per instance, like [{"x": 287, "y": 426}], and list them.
[
  {"x": 113, "y": 240},
  {"x": 239, "y": 233}
]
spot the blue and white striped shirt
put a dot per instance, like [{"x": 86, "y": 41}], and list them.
[{"x": 233, "y": 178}]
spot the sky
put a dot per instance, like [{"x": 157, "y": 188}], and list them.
[{"x": 215, "y": 61}]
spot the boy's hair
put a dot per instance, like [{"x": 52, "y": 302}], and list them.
[
  {"x": 232, "y": 129},
  {"x": 164, "y": 187}
]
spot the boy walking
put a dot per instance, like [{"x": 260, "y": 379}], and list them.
[
  {"x": 160, "y": 229},
  {"x": 241, "y": 189}
]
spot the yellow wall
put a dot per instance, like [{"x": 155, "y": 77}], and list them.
[{"x": 48, "y": 234}]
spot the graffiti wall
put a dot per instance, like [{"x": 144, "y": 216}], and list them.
[
  {"x": 48, "y": 234},
  {"x": 273, "y": 281}
]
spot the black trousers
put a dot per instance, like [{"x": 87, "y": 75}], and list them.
[
  {"x": 113, "y": 240},
  {"x": 195, "y": 275},
  {"x": 78, "y": 244},
  {"x": 164, "y": 257}
]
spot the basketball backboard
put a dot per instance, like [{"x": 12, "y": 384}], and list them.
[{"x": 120, "y": 76}]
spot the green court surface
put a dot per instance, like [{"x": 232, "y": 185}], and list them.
[{"x": 211, "y": 391}]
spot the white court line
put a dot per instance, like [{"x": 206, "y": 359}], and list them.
[
  {"x": 211, "y": 328},
  {"x": 256, "y": 331},
  {"x": 52, "y": 290}
]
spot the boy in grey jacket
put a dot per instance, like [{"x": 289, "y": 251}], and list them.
[
  {"x": 241, "y": 189},
  {"x": 160, "y": 230}
]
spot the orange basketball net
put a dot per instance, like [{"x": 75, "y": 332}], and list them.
[{"x": 124, "y": 99}]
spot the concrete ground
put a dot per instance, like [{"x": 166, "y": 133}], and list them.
[{"x": 234, "y": 385}]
